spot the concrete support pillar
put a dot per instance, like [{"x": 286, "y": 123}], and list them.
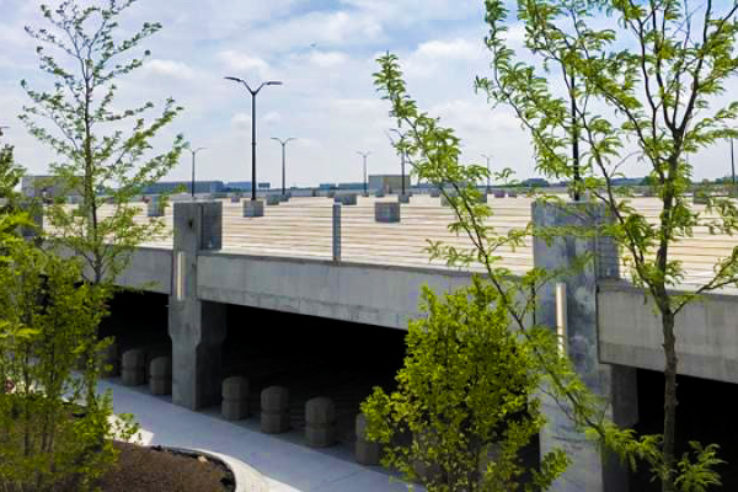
[
  {"x": 366, "y": 452},
  {"x": 235, "y": 404},
  {"x": 336, "y": 232},
  {"x": 197, "y": 328},
  {"x": 591, "y": 471},
  {"x": 160, "y": 380},
  {"x": 133, "y": 370},
  {"x": 320, "y": 422},
  {"x": 275, "y": 407}
]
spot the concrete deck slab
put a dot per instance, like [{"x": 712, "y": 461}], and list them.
[
  {"x": 302, "y": 228},
  {"x": 287, "y": 465}
]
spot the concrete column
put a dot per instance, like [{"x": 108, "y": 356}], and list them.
[
  {"x": 590, "y": 471},
  {"x": 197, "y": 328},
  {"x": 336, "y": 232}
]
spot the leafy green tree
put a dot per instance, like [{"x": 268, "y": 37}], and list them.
[
  {"x": 465, "y": 397},
  {"x": 83, "y": 52},
  {"x": 433, "y": 151},
  {"x": 47, "y": 320},
  {"x": 648, "y": 76}
]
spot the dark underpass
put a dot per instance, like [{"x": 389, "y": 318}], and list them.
[{"x": 706, "y": 413}]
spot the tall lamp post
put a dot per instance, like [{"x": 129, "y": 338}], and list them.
[
  {"x": 403, "y": 157},
  {"x": 284, "y": 166},
  {"x": 194, "y": 155},
  {"x": 364, "y": 155},
  {"x": 253, "y": 92},
  {"x": 488, "y": 158}
]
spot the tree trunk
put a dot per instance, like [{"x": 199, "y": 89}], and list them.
[{"x": 670, "y": 401}]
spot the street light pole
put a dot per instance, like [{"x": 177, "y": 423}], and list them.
[
  {"x": 488, "y": 158},
  {"x": 364, "y": 155},
  {"x": 403, "y": 156},
  {"x": 253, "y": 125},
  {"x": 284, "y": 166},
  {"x": 194, "y": 154}
]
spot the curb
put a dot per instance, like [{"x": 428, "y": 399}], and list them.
[{"x": 246, "y": 477}]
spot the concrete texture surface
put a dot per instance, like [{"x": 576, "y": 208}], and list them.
[
  {"x": 706, "y": 331},
  {"x": 286, "y": 465}
]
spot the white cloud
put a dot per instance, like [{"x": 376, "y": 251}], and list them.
[
  {"x": 243, "y": 63},
  {"x": 328, "y": 59},
  {"x": 169, "y": 69}
]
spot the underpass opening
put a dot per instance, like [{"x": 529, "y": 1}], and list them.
[
  {"x": 705, "y": 413},
  {"x": 138, "y": 320},
  {"x": 312, "y": 357}
]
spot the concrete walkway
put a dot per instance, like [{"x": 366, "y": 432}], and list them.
[{"x": 287, "y": 464}]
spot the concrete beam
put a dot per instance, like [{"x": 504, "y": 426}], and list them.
[
  {"x": 371, "y": 294},
  {"x": 706, "y": 333}
]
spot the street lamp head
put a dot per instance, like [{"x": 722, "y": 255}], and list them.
[
  {"x": 234, "y": 79},
  {"x": 274, "y": 82}
]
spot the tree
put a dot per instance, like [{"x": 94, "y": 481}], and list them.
[
  {"x": 47, "y": 320},
  {"x": 648, "y": 79},
  {"x": 82, "y": 124},
  {"x": 433, "y": 151},
  {"x": 465, "y": 396}
]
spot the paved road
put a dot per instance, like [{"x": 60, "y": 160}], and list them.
[{"x": 287, "y": 464}]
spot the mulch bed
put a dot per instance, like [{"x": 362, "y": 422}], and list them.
[{"x": 155, "y": 469}]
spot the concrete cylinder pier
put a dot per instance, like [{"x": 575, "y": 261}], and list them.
[
  {"x": 253, "y": 208},
  {"x": 110, "y": 361},
  {"x": 274, "y": 200},
  {"x": 235, "y": 398},
  {"x": 387, "y": 212},
  {"x": 366, "y": 452},
  {"x": 160, "y": 382},
  {"x": 275, "y": 417},
  {"x": 133, "y": 367},
  {"x": 403, "y": 198},
  {"x": 155, "y": 207},
  {"x": 320, "y": 422}
]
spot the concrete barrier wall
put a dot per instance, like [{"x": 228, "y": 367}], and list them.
[
  {"x": 150, "y": 269},
  {"x": 351, "y": 292},
  {"x": 706, "y": 331}
]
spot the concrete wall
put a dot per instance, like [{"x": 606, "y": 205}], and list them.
[
  {"x": 706, "y": 331},
  {"x": 352, "y": 292},
  {"x": 150, "y": 269}
]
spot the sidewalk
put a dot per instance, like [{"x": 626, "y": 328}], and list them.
[{"x": 285, "y": 463}]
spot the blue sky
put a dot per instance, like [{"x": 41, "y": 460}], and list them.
[{"x": 323, "y": 51}]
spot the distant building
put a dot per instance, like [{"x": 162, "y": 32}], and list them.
[
  {"x": 389, "y": 183},
  {"x": 350, "y": 186},
  {"x": 176, "y": 186},
  {"x": 246, "y": 186},
  {"x": 46, "y": 187}
]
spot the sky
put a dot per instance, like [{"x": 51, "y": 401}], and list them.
[{"x": 324, "y": 52}]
